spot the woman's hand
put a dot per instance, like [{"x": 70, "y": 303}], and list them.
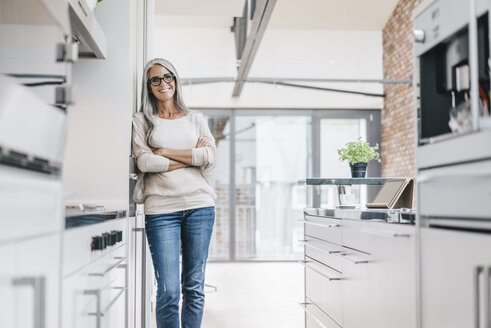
[
  {"x": 202, "y": 142},
  {"x": 158, "y": 151}
]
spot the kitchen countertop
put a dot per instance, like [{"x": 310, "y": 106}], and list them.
[
  {"x": 399, "y": 216},
  {"x": 348, "y": 181},
  {"x": 76, "y": 216}
]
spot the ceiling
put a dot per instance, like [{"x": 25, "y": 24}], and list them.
[{"x": 287, "y": 14}]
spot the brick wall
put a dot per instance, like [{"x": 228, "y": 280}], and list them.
[{"x": 398, "y": 113}]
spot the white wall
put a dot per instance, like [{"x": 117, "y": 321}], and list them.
[
  {"x": 98, "y": 147},
  {"x": 209, "y": 52}
]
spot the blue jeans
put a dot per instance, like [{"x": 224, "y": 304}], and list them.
[{"x": 189, "y": 230}]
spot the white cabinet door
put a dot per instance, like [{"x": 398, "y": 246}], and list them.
[
  {"x": 451, "y": 264},
  {"x": 7, "y": 290},
  {"x": 37, "y": 282},
  {"x": 356, "y": 291},
  {"x": 392, "y": 275}
]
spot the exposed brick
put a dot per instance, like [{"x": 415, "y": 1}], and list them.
[{"x": 398, "y": 113}]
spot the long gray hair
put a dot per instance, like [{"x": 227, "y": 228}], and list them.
[{"x": 149, "y": 103}]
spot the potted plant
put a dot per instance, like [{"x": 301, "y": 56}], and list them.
[{"x": 358, "y": 154}]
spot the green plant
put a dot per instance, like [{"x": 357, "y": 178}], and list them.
[{"x": 358, "y": 152}]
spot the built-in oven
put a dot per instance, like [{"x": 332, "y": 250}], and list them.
[
  {"x": 452, "y": 82},
  {"x": 453, "y": 162}
]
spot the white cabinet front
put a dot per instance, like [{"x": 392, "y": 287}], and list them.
[
  {"x": 37, "y": 282},
  {"x": 356, "y": 289},
  {"x": 7, "y": 289},
  {"x": 392, "y": 275},
  {"x": 454, "y": 271}
]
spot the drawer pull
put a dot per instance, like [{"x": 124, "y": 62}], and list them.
[
  {"x": 99, "y": 312},
  {"x": 304, "y": 307},
  {"x": 346, "y": 258},
  {"x": 331, "y": 225},
  {"x": 306, "y": 264},
  {"x": 309, "y": 244},
  {"x": 384, "y": 233},
  {"x": 485, "y": 296},
  {"x": 115, "y": 265},
  {"x": 39, "y": 286}
]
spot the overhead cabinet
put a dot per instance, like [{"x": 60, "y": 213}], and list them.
[{"x": 86, "y": 31}]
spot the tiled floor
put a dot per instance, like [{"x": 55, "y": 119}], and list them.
[{"x": 253, "y": 295}]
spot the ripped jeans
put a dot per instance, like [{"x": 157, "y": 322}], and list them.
[{"x": 166, "y": 233}]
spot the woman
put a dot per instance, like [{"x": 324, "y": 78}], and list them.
[{"x": 175, "y": 151}]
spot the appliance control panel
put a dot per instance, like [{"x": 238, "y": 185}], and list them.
[{"x": 106, "y": 239}]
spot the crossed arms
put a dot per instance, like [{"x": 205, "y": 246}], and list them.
[
  {"x": 166, "y": 159},
  {"x": 181, "y": 158}
]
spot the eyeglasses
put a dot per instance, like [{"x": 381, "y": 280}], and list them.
[{"x": 167, "y": 78}]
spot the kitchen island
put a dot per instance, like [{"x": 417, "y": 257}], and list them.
[{"x": 359, "y": 268}]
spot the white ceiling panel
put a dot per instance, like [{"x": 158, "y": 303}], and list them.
[
  {"x": 332, "y": 14},
  {"x": 199, "y": 7},
  {"x": 287, "y": 14}
]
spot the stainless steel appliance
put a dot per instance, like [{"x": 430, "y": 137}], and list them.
[{"x": 453, "y": 161}]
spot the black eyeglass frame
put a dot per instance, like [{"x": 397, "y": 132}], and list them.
[{"x": 163, "y": 78}]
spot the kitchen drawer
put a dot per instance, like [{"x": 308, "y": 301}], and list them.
[
  {"x": 323, "y": 251},
  {"x": 77, "y": 251},
  {"x": 325, "y": 293},
  {"x": 354, "y": 235},
  {"x": 103, "y": 279},
  {"x": 316, "y": 318},
  {"x": 458, "y": 191},
  {"x": 323, "y": 228}
]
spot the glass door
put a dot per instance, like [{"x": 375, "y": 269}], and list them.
[
  {"x": 263, "y": 159},
  {"x": 271, "y": 163}
]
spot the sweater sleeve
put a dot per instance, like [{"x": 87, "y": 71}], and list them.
[
  {"x": 146, "y": 160},
  {"x": 204, "y": 156}
]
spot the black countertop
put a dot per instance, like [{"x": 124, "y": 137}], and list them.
[
  {"x": 400, "y": 215},
  {"x": 348, "y": 181},
  {"x": 82, "y": 216}
]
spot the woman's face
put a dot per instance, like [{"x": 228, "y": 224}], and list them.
[{"x": 164, "y": 91}]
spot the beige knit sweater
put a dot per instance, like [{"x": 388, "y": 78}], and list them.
[{"x": 182, "y": 189}]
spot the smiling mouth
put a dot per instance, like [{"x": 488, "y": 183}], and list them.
[{"x": 164, "y": 90}]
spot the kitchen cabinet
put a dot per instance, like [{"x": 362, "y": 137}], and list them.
[
  {"x": 7, "y": 289},
  {"x": 449, "y": 287},
  {"x": 359, "y": 273},
  {"x": 356, "y": 289},
  {"x": 37, "y": 282},
  {"x": 392, "y": 275}
]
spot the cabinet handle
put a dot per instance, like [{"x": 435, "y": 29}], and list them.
[
  {"x": 99, "y": 312},
  {"x": 307, "y": 243},
  {"x": 304, "y": 307},
  {"x": 115, "y": 265},
  {"x": 346, "y": 258},
  {"x": 39, "y": 286},
  {"x": 475, "y": 173},
  {"x": 384, "y": 233},
  {"x": 306, "y": 264},
  {"x": 143, "y": 275},
  {"x": 477, "y": 299},
  {"x": 332, "y": 225},
  {"x": 487, "y": 298}
]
